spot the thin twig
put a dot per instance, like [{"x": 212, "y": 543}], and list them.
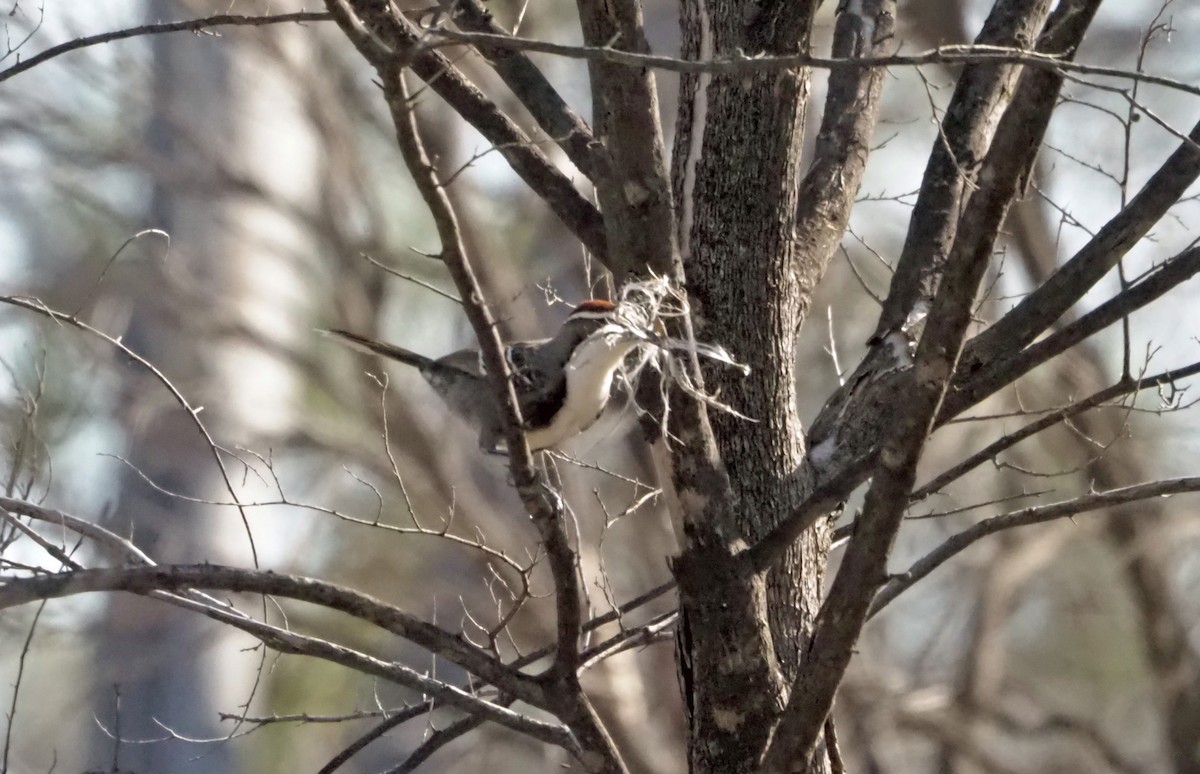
[
  {"x": 743, "y": 65},
  {"x": 190, "y": 25},
  {"x": 193, "y": 413},
  {"x": 898, "y": 584},
  {"x": 12, "y": 707},
  {"x": 437, "y": 741},
  {"x": 378, "y": 731}
]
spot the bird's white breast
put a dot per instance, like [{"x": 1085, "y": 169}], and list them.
[{"x": 590, "y": 373}]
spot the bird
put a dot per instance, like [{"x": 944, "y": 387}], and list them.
[{"x": 562, "y": 383}]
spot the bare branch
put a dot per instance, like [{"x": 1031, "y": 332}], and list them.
[
  {"x": 389, "y": 41},
  {"x": 545, "y": 506},
  {"x": 863, "y": 568},
  {"x": 437, "y": 741},
  {"x": 379, "y": 730},
  {"x": 190, "y": 25},
  {"x": 1068, "y": 284},
  {"x": 818, "y": 504},
  {"x": 211, "y": 576},
  {"x": 154, "y": 580},
  {"x": 531, "y": 86},
  {"x": 843, "y": 144},
  {"x": 17, "y": 681},
  {"x": 34, "y": 305},
  {"x": 653, "y": 631},
  {"x": 898, "y": 584},
  {"x": 744, "y": 65},
  {"x": 1005, "y": 370},
  {"x": 1126, "y": 386},
  {"x": 980, "y": 96},
  {"x": 119, "y": 550},
  {"x": 634, "y": 190}
]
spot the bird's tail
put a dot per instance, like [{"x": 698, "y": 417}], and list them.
[{"x": 374, "y": 346}]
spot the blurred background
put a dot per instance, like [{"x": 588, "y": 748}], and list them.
[{"x": 211, "y": 199}]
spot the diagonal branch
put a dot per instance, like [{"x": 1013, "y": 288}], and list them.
[
  {"x": 898, "y": 584},
  {"x": 818, "y": 504},
  {"x": 1007, "y": 165},
  {"x": 634, "y": 189},
  {"x": 1002, "y": 371},
  {"x": 118, "y": 550},
  {"x": 35, "y": 305},
  {"x": 383, "y": 36},
  {"x": 525, "y": 80},
  {"x": 1126, "y": 386},
  {"x": 545, "y": 510},
  {"x": 376, "y": 732},
  {"x": 151, "y": 580},
  {"x": 836, "y": 489},
  {"x": 1053, "y": 298},
  {"x": 142, "y": 580},
  {"x": 545, "y": 506},
  {"x": 980, "y": 96},
  {"x": 864, "y": 566},
  {"x": 436, "y": 741}
]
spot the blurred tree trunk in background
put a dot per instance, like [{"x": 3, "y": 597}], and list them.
[
  {"x": 170, "y": 680},
  {"x": 213, "y": 314}
]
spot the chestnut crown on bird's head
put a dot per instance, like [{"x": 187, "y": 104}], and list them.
[
  {"x": 598, "y": 314},
  {"x": 594, "y": 307}
]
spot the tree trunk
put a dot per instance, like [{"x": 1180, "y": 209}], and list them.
[
  {"x": 170, "y": 680},
  {"x": 736, "y": 180}
]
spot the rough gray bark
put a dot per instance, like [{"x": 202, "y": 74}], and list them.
[
  {"x": 756, "y": 238},
  {"x": 631, "y": 178},
  {"x": 736, "y": 173}
]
